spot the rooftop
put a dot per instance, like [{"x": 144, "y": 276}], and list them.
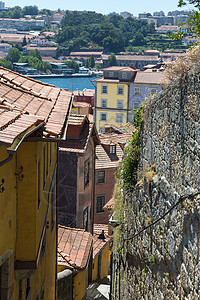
[
  {"x": 74, "y": 247},
  {"x": 106, "y": 160},
  {"x": 26, "y": 102},
  {"x": 78, "y": 138},
  {"x": 99, "y": 244}
]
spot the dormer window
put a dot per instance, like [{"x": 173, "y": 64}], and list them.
[
  {"x": 124, "y": 75},
  {"x": 111, "y": 74},
  {"x": 113, "y": 149}
]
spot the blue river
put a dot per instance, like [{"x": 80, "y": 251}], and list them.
[{"x": 71, "y": 84}]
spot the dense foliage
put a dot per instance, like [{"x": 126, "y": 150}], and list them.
[
  {"x": 17, "y": 12},
  {"x": 94, "y": 30},
  {"x": 33, "y": 59}
]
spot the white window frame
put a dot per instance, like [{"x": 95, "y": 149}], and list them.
[
  {"x": 137, "y": 91},
  {"x": 102, "y": 205},
  {"x": 120, "y": 90},
  {"x": 119, "y": 118},
  {"x": 104, "y": 87},
  {"x": 112, "y": 149},
  {"x": 104, "y": 103},
  {"x": 102, "y": 119},
  {"x": 119, "y": 105}
]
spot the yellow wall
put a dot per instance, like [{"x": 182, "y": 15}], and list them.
[
  {"x": 80, "y": 282},
  {"x": 105, "y": 259},
  {"x": 111, "y": 109},
  {"x": 22, "y": 221}
]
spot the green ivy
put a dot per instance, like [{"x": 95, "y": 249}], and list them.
[{"x": 127, "y": 170}]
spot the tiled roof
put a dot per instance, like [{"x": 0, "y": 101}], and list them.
[
  {"x": 85, "y": 92},
  {"x": 148, "y": 77},
  {"x": 79, "y": 145},
  {"x": 74, "y": 247},
  {"x": 32, "y": 101},
  {"x": 106, "y": 160},
  {"x": 116, "y": 68},
  {"x": 99, "y": 244},
  {"x": 109, "y": 205},
  {"x": 97, "y": 228},
  {"x": 134, "y": 57}
]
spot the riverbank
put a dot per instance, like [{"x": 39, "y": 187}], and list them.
[{"x": 38, "y": 76}]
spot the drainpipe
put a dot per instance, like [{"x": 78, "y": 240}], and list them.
[{"x": 3, "y": 162}]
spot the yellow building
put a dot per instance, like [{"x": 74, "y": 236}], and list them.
[
  {"x": 112, "y": 93},
  {"x": 101, "y": 256},
  {"x": 75, "y": 253},
  {"x": 31, "y": 124}
]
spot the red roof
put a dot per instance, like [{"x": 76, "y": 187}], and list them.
[
  {"x": 109, "y": 205},
  {"x": 74, "y": 247},
  {"x": 25, "y": 102},
  {"x": 99, "y": 244},
  {"x": 97, "y": 228}
]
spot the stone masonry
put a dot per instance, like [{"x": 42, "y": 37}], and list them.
[{"x": 163, "y": 261}]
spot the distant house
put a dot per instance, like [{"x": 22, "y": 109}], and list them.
[
  {"x": 137, "y": 61},
  {"x": 76, "y": 188},
  {"x": 108, "y": 155},
  {"x": 44, "y": 51},
  {"x": 146, "y": 83},
  {"x": 112, "y": 96}
]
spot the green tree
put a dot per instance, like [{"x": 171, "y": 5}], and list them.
[
  {"x": 13, "y": 55},
  {"x": 112, "y": 61},
  {"x": 24, "y": 43},
  {"x": 30, "y": 10}
]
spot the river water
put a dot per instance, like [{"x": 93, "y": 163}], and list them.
[{"x": 71, "y": 83}]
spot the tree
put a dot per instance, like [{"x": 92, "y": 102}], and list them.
[
  {"x": 13, "y": 55},
  {"x": 24, "y": 43},
  {"x": 112, "y": 61},
  {"x": 30, "y": 10}
]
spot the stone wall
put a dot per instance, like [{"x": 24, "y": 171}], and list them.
[{"x": 163, "y": 262}]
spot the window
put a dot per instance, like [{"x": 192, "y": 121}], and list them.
[
  {"x": 153, "y": 91},
  {"x": 120, "y": 104},
  {"x": 124, "y": 75},
  {"x": 103, "y": 116},
  {"x": 136, "y": 105},
  {"x": 104, "y": 103},
  {"x": 101, "y": 130},
  {"x": 100, "y": 202},
  {"x": 111, "y": 74},
  {"x": 112, "y": 149},
  {"x": 85, "y": 219},
  {"x": 104, "y": 89},
  {"x": 120, "y": 90},
  {"x": 86, "y": 173},
  {"x": 101, "y": 177},
  {"x": 119, "y": 118},
  {"x": 137, "y": 91},
  {"x": 52, "y": 200}
]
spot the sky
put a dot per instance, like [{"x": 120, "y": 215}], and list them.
[{"x": 103, "y": 6}]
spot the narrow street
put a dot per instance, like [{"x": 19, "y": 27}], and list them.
[{"x": 99, "y": 290}]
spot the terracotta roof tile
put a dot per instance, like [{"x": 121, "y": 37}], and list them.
[
  {"x": 25, "y": 95},
  {"x": 74, "y": 247},
  {"x": 99, "y": 244},
  {"x": 103, "y": 157},
  {"x": 109, "y": 205},
  {"x": 97, "y": 228}
]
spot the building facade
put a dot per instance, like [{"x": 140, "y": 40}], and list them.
[
  {"x": 29, "y": 131},
  {"x": 112, "y": 96}
]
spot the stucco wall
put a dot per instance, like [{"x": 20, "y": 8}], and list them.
[{"x": 163, "y": 261}]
